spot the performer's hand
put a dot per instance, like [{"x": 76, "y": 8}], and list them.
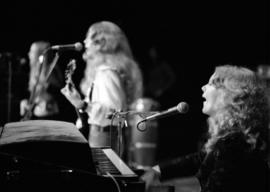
[
  {"x": 24, "y": 106},
  {"x": 151, "y": 177},
  {"x": 72, "y": 95}
]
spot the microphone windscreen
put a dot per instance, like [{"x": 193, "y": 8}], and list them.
[
  {"x": 182, "y": 107},
  {"x": 78, "y": 46}
]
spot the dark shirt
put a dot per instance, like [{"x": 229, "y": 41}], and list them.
[{"x": 230, "y": 166}]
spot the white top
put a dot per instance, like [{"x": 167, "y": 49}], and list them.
[{"x": 107, "y": 95}]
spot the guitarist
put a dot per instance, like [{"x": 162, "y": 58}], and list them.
[
  {"x": 112, "y": 81},
  {"x": 42, "y": 103}
]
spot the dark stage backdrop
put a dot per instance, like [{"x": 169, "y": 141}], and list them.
[{"x": 176, "y": 45}]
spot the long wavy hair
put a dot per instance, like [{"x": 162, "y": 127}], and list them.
[
  {"x": 112, "y": 49},
  {"x": 40, "y": 70},
  {"x": 245, "y": 107}
]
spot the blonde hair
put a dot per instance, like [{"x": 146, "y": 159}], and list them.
[
  {"x": 40, "y": 70},
  {"x": 114, "y": 51},
  {"x": 245, "y": 108}
]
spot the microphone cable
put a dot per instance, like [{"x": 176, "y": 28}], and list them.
[{"x": 114, "y": 180}]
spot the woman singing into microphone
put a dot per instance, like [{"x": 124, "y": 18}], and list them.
[
  {"x": 112, "y": 81},
  {"x": 234, "y": 158}
]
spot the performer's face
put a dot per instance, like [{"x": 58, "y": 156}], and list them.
[
  {"x": 213, "y": 97},
  {"x": 90, "y": 46},
  {"x": 88, "y": 40}
]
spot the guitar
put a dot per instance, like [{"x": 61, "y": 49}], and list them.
[{"x": 71, "y": 67}]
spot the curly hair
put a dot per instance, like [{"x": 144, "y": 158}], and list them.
[{"x": 245, "y": 110}]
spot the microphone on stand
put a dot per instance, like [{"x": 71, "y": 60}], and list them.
[
  {"x": 76, "y": 47},
  {"x": 122, "y": 114},
  {"x": 182, "y": 108}
]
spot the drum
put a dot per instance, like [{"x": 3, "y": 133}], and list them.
[{"x": 143, "y": 137}]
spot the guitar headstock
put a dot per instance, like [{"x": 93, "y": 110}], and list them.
[{"x": 71, "y": 66}]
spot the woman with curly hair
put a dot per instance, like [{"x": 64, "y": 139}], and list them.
[{"x": 234, "y": 158}]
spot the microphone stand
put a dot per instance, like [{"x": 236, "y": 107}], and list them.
[
  {"x": 122, "y": 123},
  {"x": 9, "y": 90}
]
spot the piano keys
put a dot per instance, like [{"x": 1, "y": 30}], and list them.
[
  {"x": 107, "y": 161},
  {"x": 109, "y": 164}
]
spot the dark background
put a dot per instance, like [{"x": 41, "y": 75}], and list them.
[{"x": 191, "y": 38}]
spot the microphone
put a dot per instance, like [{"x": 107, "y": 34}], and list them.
[
  {"x": 76, "y": 47},
  {"x": 182, "y": 107}
]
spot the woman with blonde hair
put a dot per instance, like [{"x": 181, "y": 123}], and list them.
[
  {"x": 234, "y": 158},
  {"x": 43, "y": 85},
  {"x": 112, "y": 81}
]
